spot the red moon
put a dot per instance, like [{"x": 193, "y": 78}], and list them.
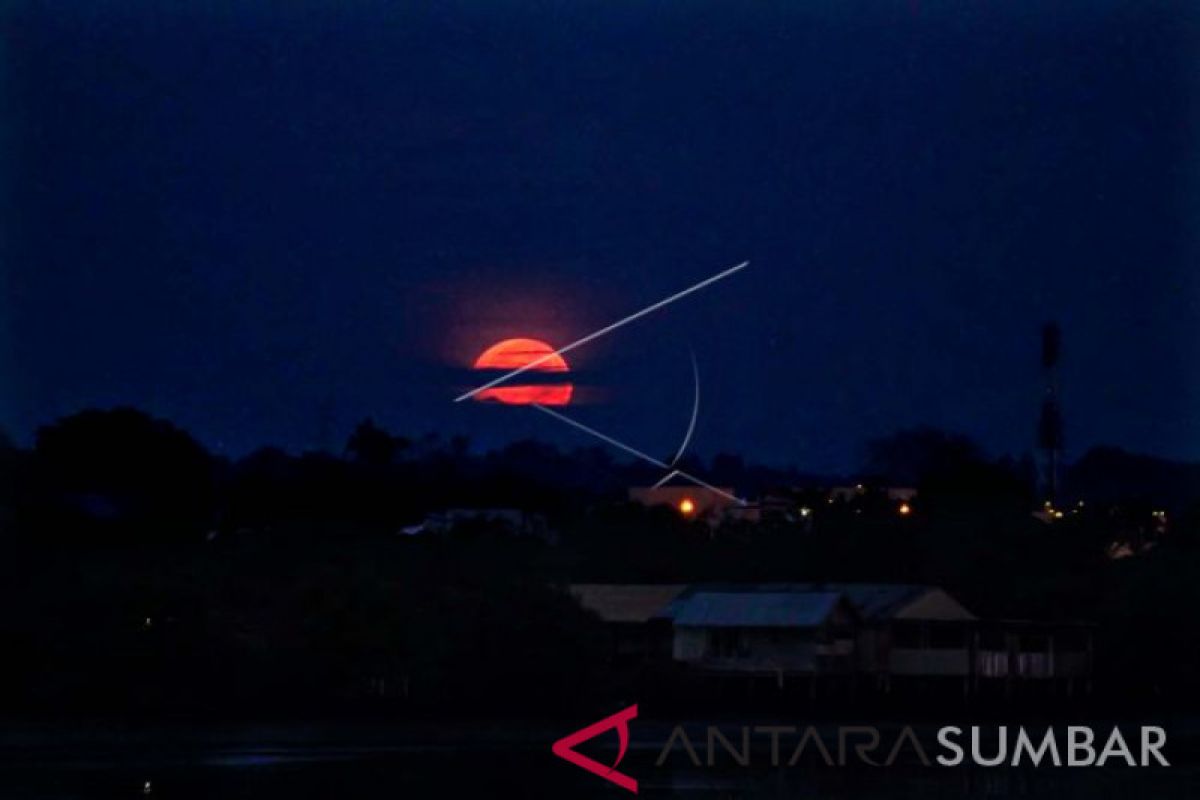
[{"x": 513, "y": 353}]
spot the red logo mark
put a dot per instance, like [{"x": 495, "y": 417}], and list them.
[{"x": 564, "y": 748}]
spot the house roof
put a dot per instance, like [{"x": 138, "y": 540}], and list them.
[
  {"x": 627, "y": 602},
  {"x": 880, "y": 601},
  {"x": 871, "y": 601},
  {"x": 755, "y": 609}
]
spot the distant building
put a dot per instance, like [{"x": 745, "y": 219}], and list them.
[
  {"x": 789, "y": 506},
  {"x": 636, "y": 615},
  {"x": 690, "y": 501},
  {"x": 911, "y": 631},
  {"x": 846, "y": 494},
  {"x": 510, "y": 520},
  {"x": 764, "y": 632},
  {"x": 1029, "y": 650},
  {"x": 890, "y": 634}
]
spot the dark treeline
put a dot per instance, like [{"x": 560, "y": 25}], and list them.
[{"x": 143, "y": 574}]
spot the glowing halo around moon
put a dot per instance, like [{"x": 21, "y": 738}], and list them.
[{"x": 515, "y": 353}]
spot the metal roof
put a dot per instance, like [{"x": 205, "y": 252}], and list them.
[
  {"x": 755, "y": 609},
  {"x": 871, "y": 601},
  {"x": 879, "y": 600}
]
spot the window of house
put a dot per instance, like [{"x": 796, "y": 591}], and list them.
[
  {"x": 1071, "y": 639},
  {"x": 908, "y": 635},
  {"x": 1034, "y": 643},
  {"x": 947, "y": 637},
  {"x": 727, "y": 643},
  {"x": 992, "y": 640}
]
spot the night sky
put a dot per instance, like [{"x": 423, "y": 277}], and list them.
[{"x": 268, "y": 223}]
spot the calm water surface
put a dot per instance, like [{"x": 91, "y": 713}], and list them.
[{"x": 308, "y": 762}]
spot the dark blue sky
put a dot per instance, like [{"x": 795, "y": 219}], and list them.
[{"x": 235, "y": 217}]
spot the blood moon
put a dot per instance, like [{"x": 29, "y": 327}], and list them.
[{"x": 512, "y": 354}]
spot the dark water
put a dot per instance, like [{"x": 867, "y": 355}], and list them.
[{"x": 298, "y": 764}]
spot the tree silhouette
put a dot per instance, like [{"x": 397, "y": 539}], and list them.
[
  {"x": 909, "y": 456},
  {"x": 123, "y": 467},
  {"x": 373, "y": 446}
]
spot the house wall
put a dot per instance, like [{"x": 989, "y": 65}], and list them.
[
  {"x": 1047, "y": 653},
  {"x": 907, "y": 646},
  {"x": 760, "y": 650},
  {"x": 690, "y": 644},
  {"x": 931, "y": 662}
]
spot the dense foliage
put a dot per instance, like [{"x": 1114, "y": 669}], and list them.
[{"x": 143, "y": 574}]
